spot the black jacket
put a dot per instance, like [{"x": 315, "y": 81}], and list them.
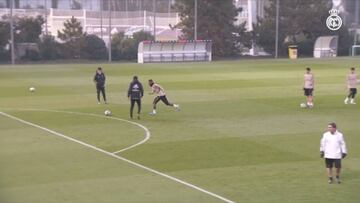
[
  {"x": 136, "y": 90},
  {"x": 99, "y": 79}
]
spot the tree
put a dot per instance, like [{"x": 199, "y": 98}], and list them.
[
  {"x": 300, "y": 24},
  {"x": 142, "y": 36},
  {"x": 72, "y": 30},
  {"x": 215, "y": 21},
  {"x": 116, "y": 41},
  {"x": 126, "y": 48},
  {"x": 130, "y": 46},
  {"x": 243, "y": 38},
  {"x": 4, "y": 39},
  {"x": 49, "y": 48},
  {"x": 93, "y": 47},
  {"x": 72, "y": 35},
  {"x": 28, "y": 29},
  {"x": 4, "y": 33}
]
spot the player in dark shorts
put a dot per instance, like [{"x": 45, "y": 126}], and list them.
[
  {"x": 135, "y": 93},
  {"x": 308, "y": 92},
  {"x": 308, "y": 87},
  {"x": 351, "y": 82},
  {"x": 157, "y": 89},
  {"x": 99, "y": 80},
  {"x": 333, "y": 149}
]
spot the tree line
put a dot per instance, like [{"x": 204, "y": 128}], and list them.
[
  {"x": 73, "y": 42},
  {"x": 299, "y": 24}
]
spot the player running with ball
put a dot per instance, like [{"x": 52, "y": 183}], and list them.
[{"x": 160, "y": 92}]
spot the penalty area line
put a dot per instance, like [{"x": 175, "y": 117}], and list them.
[{"x": 117, "y": 157}]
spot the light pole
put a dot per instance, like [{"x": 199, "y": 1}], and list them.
[
  {"x": 101, "y": 19},
  {"x": 277, "y": 29},
  {"x": 12, "y": 32},
  {"x": 127, "y": 12},
  {"x": 110, "y": 2},
  {"x": 356, "y": 22},
  {"x": 195, "y": 23},
  {"x": 46, "y": 21},
  {"x": 154, "y": 20}
]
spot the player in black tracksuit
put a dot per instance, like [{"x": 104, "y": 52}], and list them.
[
  {"x": 135, "y": 93},
  {"x": 99, "y": 80}
]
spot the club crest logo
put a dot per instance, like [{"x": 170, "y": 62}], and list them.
[{"x": 334, "y": 22}]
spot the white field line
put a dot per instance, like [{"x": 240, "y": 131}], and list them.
[
  {"x": 118, "y": 157},
  {"x": 147, "y": 132}
]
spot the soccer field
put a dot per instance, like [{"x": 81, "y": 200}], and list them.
[{"x": 240, "y": 135}]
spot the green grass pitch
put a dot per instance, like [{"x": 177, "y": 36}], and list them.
[{"x": 240, "y": 134}]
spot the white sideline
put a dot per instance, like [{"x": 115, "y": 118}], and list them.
[{"x": 117, "y": 157}]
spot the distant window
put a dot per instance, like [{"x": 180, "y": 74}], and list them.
[
  {"x": 63, "y": 4},
  {"x": 25, "y": 4},
  {"x": 3, "y": 4},
  {"x": 90, "y": 5},
  {"x": 76, "y": 4}
]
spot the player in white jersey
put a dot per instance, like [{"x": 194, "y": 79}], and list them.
[
  {"x": 333, "y": 149},
  {"x": 308, "y": 87},
  {"x": 160, "y": 92},
  {"x": 351, "y": 82}
]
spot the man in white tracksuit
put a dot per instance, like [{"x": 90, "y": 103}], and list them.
[{"x": 333, "y": 149}]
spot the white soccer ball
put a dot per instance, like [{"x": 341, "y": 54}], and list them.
[
  {"x": 32, "y": 89},
  {"x": 303, "y": 105},
  {"x": 107, "y": 113}
]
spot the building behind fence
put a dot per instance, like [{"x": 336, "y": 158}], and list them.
[{"x": 96, "y": 20}]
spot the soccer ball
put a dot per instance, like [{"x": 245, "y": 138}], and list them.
[
  {"x": 107, "y": 113},
  {"x": 32, "y": 89},
  {"x": 303, "y": 105}
]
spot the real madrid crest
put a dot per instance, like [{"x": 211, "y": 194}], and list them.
[{"x": 334, "y": 22}]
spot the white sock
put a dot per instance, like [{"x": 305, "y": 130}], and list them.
[
  {"x": 346, "y": 101},
  {"x": 154, "y": 111},
  {"x": 352, "y": 101}
]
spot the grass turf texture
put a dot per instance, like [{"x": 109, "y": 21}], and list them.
[{"x": 240, "y": 134}]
